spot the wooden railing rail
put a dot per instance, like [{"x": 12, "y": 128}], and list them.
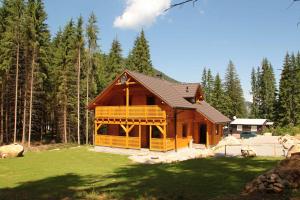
[{"x": 137, "y": 112}]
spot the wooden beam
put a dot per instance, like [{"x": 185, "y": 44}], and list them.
[
  {"x": 123, "y": 127},
  {"x": 140, "y": 138},
  {"x": 150, "y": 136},
  {"x": 130, "y": 128}
]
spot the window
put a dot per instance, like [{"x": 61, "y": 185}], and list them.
[
  {"x": 150, "y": 100},
  {"x": 184, "y": 130},
  {"x": 155, "y": 132},
  {"x": 253, "y": 128},
  {"x": 239, "y": 127},
  {"x": 121, "y": 131},
  {"x": 103, "y": 130}
]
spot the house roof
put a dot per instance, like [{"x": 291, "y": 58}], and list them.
[
  {"x": 210, "y": 112},
  {"x": 186, "y": 90},
  {"x": 173, "y": 94},
  {"x": 248, "y": 121},
  {"x": 162, "y": 88}
]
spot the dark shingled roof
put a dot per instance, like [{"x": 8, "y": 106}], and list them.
[
  {"x": 186, "y": 90},
  {"x": 210, "y": 112},
  {"x": 174, "y": 95}
]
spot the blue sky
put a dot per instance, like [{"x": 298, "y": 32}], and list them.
[{"x": 186, "y": 39}]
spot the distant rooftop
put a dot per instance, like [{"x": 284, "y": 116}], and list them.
[{"x": 244, "y": 121}]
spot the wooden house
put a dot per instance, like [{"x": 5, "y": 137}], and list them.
[
  {"x": 242, "y": 125},
  {"x": 138, "y": 111}
]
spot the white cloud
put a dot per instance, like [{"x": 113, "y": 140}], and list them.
[{"x": 139, "y": 13}]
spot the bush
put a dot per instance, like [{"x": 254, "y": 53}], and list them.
[{"x": 291, "y": 130}]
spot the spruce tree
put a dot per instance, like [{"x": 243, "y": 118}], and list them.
[
  {"x": 38, "y": 37},
  {"x": 287, "y": 92},
  {"x": 91, "y": 33},
  {"x": 255, "y": 79},
  {"x": 11, "y": 47},
  {"x": 139, "y": 58},
  {"x": 267, "y": 90},
  {"x": 235, "y": 103},
  {"x": 218, "y": 95},
  {"x": 114, "y": 61},
  {"x": 80, "y": 51}
]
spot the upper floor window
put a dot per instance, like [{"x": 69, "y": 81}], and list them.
[
  {"x": 184, "y": 130},
  {"x": 150, "y": 100}
]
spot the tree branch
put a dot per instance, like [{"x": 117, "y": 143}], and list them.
[{"x": 184, "y": 2}]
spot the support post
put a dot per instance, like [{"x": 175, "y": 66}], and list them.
[
  {"x": 96, "y": 130},
  {"x": 150, "y": 135},
  {"x": 127, "y": 101},
  {"x": 175, "y": 128},
  {"x": 126, "y": 131},
  {"x": 165, "y": 137},
  {"x": 207, "y": 134},
  {"x": 140, "y": 138}
]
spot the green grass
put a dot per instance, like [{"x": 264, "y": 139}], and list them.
[{"x": 77, "y": 173}]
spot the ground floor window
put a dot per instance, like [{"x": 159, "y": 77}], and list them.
[
  {"x": 239, "y": 127},
  {"x": 253, "y": 128}
]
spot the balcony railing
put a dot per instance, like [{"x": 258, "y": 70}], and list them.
[
  {"x": 132, "y": 112},
  {"x": 156, "y": 144}
]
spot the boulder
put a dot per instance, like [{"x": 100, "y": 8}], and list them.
[
  {"x": 248, "y": 152},
  {"x": 293, "y": 150},
  {"x": 11, "y": 151}
]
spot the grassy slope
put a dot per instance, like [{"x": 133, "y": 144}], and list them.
[{"x": 78, "y": 173}]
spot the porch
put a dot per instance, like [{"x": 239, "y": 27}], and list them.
[{"x": 155, "y": 144}]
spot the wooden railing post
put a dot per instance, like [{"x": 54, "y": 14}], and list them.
[
  {"x": 150, "y": 136},
  {"x": 140, "y": 138}
]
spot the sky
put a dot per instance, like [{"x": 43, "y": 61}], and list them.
[{"x": 187, "y": 38}]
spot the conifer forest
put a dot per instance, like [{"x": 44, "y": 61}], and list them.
[{"x": 46, "y": 81}]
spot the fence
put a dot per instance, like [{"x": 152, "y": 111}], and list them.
[{"x": 262, "y": 149}]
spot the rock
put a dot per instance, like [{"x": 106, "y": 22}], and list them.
[
  {"x": 12, "y": 150},
  {"x": 293, "y": 149},
  {"x": 248, "y": 152},
  {"x": 277, "y": 189}
]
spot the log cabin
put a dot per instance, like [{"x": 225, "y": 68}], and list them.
[{"x": 138, "y": 111}]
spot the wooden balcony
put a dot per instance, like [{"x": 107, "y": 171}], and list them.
[
  {"x": 143, "y": 115},
  {"x": 136, "y": 112},
  {"x": 156, "y": 144}
]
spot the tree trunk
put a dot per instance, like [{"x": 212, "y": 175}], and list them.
[
  {"x": 16, "y": 93},
  {"x": 1, "y": 114},
  {"x": 87, "y": 102},
  {"x": 78, "y": 97},
  {"x": 31, "y": 95},
  {"x": 65, "y": 120},
  {"x": 24, "y": 115}
]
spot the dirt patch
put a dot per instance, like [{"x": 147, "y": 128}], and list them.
[{"x": 280, "y": 181}]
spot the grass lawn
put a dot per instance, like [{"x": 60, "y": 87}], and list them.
[{"x": 77, "y": 173}]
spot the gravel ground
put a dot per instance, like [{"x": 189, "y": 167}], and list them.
[{"x": 262, "y": 145}]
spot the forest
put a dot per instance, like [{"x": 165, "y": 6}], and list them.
[{"x": 46, "y": 81}]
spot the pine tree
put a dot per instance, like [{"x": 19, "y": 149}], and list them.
[
  {"x": 38, "y": 37},
  {"x": 204, "y": 81},
  {"x": 218, "y": 95},
  {"x": 80, "y": 50},
  {"x": 114, "y": 61},
  {"x": 92, "y": 31},
  {"x": 209, "y": 89},
  {"x": 139, "y": 58},
  {"x": 236, "y": 103},
  {"x": 255, "y": 80},
  {"x": 267, "y": 90},
  {"x": 11, "y": 44},
  {"x": 297, "y": 89},
  {"x": 286, "y": 92}
]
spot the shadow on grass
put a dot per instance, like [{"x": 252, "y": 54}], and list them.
[
  {"x": 58, "y": 187},
  {"x": 192, "y": 179}
]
